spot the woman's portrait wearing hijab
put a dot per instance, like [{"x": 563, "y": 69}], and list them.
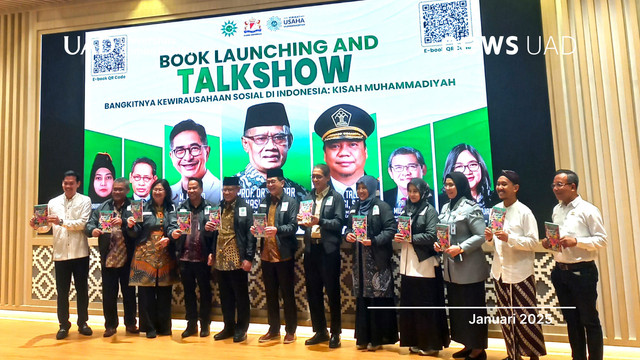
[
  {"x": 102, "y": 175},
  {"x": 465, "y": 159}
]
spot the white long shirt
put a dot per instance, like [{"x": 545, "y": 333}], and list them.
[
  {"x": 69, "y": 240},
  {"x": 582, "y": 220},
  {"x": 513, "y": 259}
]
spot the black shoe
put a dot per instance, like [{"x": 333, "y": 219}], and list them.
[
  {"x": 481, "y": 356},
  {"x": 334, "y": 342},
  {"x": 165, "y": 333},
  {"x": 151, "y": 334},
  {"x": 224, "y": 334},
  {"x": 190, "y": 330},
  {"x": 239, "y": 337},
  {"x": 318, "y": 338},
  {"x": 62, "y": 333},
  {"x": 204, "y": 332},
  {"x": 461, "y": 354},
  {"x": 108, "y": 332},
  {"x": 85, "y": 330}
]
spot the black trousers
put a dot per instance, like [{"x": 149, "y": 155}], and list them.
[
  {"x": 155, "y": 308},
  {"x": 578, "y": 288},
  {"x": 111, "y": 278},
  {"x": 279, "y": 276},
  {"x": 323, "y": 271},
  {"x": 234, "y": 298},
  {"x": 64, "y": 269},
  {"x": 190, "y": 273}
]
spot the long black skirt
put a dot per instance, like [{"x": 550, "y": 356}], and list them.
[
  {"x": 375, "y": 327},
  {"x": 425, "y": 328},
  {"x": 473, "y": 336}
]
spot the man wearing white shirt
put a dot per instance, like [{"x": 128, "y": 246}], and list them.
[
  {"x": 575, "y": 275},
  {"x": 68, "y": 215}
]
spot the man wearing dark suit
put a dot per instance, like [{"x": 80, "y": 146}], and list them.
[
  {"x": 232, "y": 254},
  {"x": 116, "y": 251},
  {"x": 192, "y": 252},
  {"x": 405, "y": 163},
  {"x": 322, "y": 237},
  {"x": 278, "y": 249}
]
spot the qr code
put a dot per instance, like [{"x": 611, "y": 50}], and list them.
[
  {"x": 444, "y": 19},
  {"x": 109, "y": 55}
]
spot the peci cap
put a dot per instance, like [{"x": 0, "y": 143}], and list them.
[
  {"x": 231, "y": 181},
  {"x": 266, "y": 114},
  {"x": 271, "y": 173},
  {"x": 344, "y": 122}
]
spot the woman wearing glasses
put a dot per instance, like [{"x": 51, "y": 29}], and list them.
[
  {"x": 512, "y": 270},
  {"x": 154, "y": 268},
  {"x": 465, "y": 267},
  {"x": 465, "y": 159}
]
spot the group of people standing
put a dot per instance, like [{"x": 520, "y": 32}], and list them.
[{"x": 153, "y": 253}]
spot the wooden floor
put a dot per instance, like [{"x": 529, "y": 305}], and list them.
[{"x": 31, "y": 335}]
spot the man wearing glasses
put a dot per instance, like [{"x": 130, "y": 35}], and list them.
[
  {"x": 189, "y": 155},
  {"x": 405, "y": 163},
  {"x": 142, "y": 175},
  {"x": 267, "y": 139}
]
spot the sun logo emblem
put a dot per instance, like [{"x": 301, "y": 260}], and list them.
[
  {"x": 229, "y": 28},
  {"x": 274, "y": 23}
]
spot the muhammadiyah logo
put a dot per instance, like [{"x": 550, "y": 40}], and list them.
[
  {"x": 274, "y": 23},
  {"x": 229, "y": 28}
]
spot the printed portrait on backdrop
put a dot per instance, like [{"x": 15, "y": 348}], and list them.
[
  {"x": 189, "y": 155},
  {"x": 142, "y": 175},
  {"x": 101, "y": 178},
  {"x": 405, "y": 163}
]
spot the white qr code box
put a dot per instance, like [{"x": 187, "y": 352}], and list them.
[
  {"x": 444, "y": 21},
  {"x": 109, "y": 55}
]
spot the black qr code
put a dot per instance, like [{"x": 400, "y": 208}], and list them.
[
  {"x": 440, "y": 20},
  {"x": 109, "y": 55}
]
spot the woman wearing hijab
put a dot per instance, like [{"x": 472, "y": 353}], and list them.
[
  {"x": 465, "y": 267},
  {"x": 512, "y": 270},
  {"x": 424, "y": 331},
  {"x": 372, "y": 272},
  {"x": 102, "y": 176}
]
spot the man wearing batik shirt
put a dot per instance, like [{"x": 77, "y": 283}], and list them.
[
  {"x": 575, "y": 276},
  {"x": 116, "y": 251},
  {"x": 267, "y": 139},
  {"x": 232, "y": 255},
  {"x": 192, "y": 252}
]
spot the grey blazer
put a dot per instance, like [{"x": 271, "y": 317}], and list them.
[{"x": 471, "y": 266}]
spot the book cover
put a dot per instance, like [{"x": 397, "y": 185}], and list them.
[
  {"x": 442, "y": 233},
  {"x": 136, "y": 210},
  {"x": 105, "y": 220},
  {"x": 553, "y": 235},
  {"x": 496, "y": 218},
  {"x": 306, "y": 208},
  {"x": 260, "y": 223},
  {"x": 40, "y": 213},
  {"x": 359, "y": 227},
  {"x": 404, "y": 227},
  {"x": 184, "y": 221},
  {"x": 214, "y": 216}
]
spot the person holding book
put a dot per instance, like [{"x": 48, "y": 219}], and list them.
[
  {"x": 372, "y": 267},
  {"x": 421, "y": 284},
  {"x": 116, "y": 251},
  {"x": 514, "y": 234},
  {"x": 192, "y": 250},
  {"x": 322, "y": 236},
  {"x": 465, "y": 266},
  {"x": 232, "y": 252},
  {"x": 278, "y": 244},
  {"x": 68, "y": 216},
  {"x": 575, "y": 276},
  {"x": 154, "y": 268}
]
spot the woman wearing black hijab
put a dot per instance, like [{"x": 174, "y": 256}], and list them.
[
  {"x": 465, "y": 266},
  {"x": 101, "y": 179},
  {"x": 372, "y": 272},
  {"x": 424, "y": 331}
]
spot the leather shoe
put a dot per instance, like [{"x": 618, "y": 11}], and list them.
[
  {"x": 151, "y": 334},
  {"x": 239, "y": 337},
  {"x": 85, "y": 330},
  {"x": 224, "y": 334},
  {"x": 481, "y": 356},
  {"x": 318, "y": 338},
  {"x": 289, "y": 338},
  {"x": 109, "y": 332},
  {"x": 372, "y": 347},
  {"x": 132, "y": 329},
  {"x": 361, "y": 347},
  {"x": 190, "y": 330},
  {"x": 62, "y": 333},
  {"x": 268, "y": 337},
  {"x": 204, "y": 332},
  {"x": 334, "y": 342},
  {"x": 461, "y": 354}
]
